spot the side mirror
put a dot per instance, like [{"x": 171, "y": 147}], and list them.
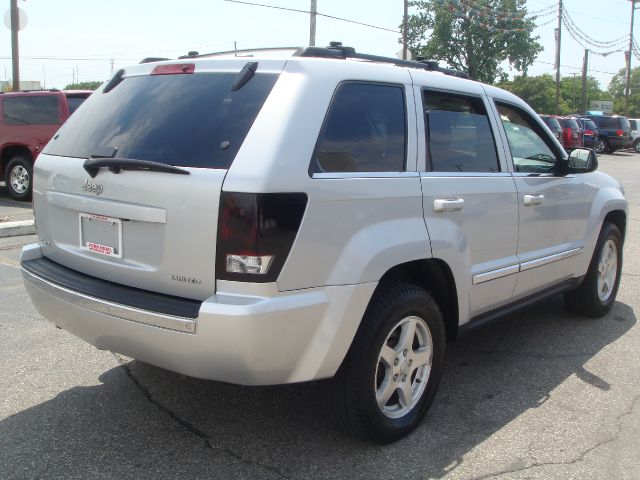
[{"x": 582, "y": 160}]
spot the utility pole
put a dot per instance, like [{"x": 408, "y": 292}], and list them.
[
  {"x": 312, "y": 22},
  {"x": 585, "y": 65},
  {"x": 558, "y": 44},
  {"x": 405, "y": 27},
  {"x": 573, "y": 94},
  {"x": 15, "y": 25},
  {"x": 629, "y": 53}
]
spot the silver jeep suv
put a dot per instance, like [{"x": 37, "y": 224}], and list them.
[{"x": 261, "y": 219}]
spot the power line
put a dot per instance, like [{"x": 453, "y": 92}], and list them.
[
  {"x": 297, "y": 10},
  {"x": 574, "y": 68},
  {"x": 598, "y": 43}
]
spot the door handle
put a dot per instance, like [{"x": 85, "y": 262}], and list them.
[
  {"x": 448, "y": 205},
  {"x": 533, "y": 200}
]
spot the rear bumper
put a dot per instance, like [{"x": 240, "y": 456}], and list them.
[
  {"x": 280, "y": 337},
  {"x": 620, "y": 142}
]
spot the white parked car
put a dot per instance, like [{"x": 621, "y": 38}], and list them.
[
  {"x": 635, "y": 133},
  {"x": 267, "y": 220}
]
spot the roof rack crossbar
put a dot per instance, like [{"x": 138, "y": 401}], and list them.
[{"x": 337, "y": 50}]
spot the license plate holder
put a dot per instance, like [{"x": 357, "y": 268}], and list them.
[{"x": 101, "y": 234}]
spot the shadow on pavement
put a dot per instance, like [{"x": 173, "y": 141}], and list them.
[{"x": 144, "y": 422}]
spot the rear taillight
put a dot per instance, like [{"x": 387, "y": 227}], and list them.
[
  {"x": 620, "y": 133},
  {"x": 588, "y": 132},
  {"x": 255, "y": 234}
]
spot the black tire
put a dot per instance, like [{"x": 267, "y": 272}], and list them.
[
  {"x": 18, "y": 177},
  {"x": 636, "y": 146},
  {"x": 586, "y": 300},
  {"x": 601, "y": 146},
  {"x": 352, "y": 393}
]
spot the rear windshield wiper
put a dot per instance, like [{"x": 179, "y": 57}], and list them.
[{"x": 115, "y": 165}]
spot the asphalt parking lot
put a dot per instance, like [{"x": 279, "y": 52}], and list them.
[{"x": 543, "y": 394}]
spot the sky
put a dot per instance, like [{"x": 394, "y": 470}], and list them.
[{"x": 78, "y": 39}]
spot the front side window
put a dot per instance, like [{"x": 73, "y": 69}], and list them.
[
  {"x": 31, "y": 110},
  {"x": 530, "y": 148},
  {"x": 459, "y": 136},
  {"x": 364, "y": 131}
]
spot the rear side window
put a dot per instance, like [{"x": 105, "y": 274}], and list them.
[
  {"x": 633, "y": 124},
  {"x": 31, "y": 110},
  {"x": 459, "y": 136},
  {"x": 364, "y": 131},
  {"x": 188, "y": 120}
]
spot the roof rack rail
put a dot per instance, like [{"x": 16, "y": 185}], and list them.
[
  {"x": 337, "y": 50},
  {"x": 243, "y": 53}
]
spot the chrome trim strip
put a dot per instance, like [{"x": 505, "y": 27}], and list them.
[
  {"x": 169, "y": 322},
  {"x": 539, "y": 262},
  {"x": 464, "y": 174},
  {"x": 109, "y": 208},
  {"x": 365, "y": 174},
  {"x": 495, "y": 274}
]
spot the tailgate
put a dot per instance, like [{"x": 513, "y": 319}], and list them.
[
  {"x": 150, "y": 230},
  {"x": 164, "y": 136}
]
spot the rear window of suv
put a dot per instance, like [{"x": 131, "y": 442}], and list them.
[
  {"x": 612, "y": 123},
  {"x": 192, "y": 120},
  {"x": 31, "y": 110}
]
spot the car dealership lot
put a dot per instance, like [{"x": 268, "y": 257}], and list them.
[{"x": 541, "y": 394}]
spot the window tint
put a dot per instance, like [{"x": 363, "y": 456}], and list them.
[
  {"x": 531, "y": 149},
  {"x": 74, "y": 102},
  {"x": 184, "y": 120},
  {"x": 31, "y": 110},
  {"x": 364, "y": 131},
  {"x": 612, "y": 123},
  {"x": 459, "y": 136},
  {"x": 634, "y": 125},
  {"x": 552, "y": 123}
]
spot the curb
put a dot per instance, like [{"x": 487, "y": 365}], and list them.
[{"x": 15, "y": 229}]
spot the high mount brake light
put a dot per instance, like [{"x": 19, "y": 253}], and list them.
[
  {"x": 174, "y": 69},
  {"x": 255, "y": 234}
]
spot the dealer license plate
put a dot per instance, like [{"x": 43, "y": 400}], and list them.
[{"x": 100, "y": 234}]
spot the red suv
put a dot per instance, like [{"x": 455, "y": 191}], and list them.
[
  {"x": 571, "y": 133},
  {"x": 29, "y": 120}
]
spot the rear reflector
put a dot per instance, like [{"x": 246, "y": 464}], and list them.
[
  {"x": 174, "y": 69},
  {"x": 255, "y": 234}
]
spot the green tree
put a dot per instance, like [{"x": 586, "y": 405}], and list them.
[
  {"x": 617, "y": 88},
  {"x": 571, "y": 93},
  {"x": 539, "y": 92},
  {"x": 474, "y": 36},
  {"x": 83, "y": 86}
]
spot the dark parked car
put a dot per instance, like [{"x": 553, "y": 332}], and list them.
[
  {"x": 29, "y": 120},
  {"x": 554, "y": 125},
  {"x": 614, "y": 131},
  {"x": 590, "y": 134},
  {"x": 571, "y": 133}
]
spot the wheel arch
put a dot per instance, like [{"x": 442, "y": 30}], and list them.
[
  {"x": 435, "y": 276},
  {"x": 619, "y": 219},
  {"x": 10, "y": 151}
]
